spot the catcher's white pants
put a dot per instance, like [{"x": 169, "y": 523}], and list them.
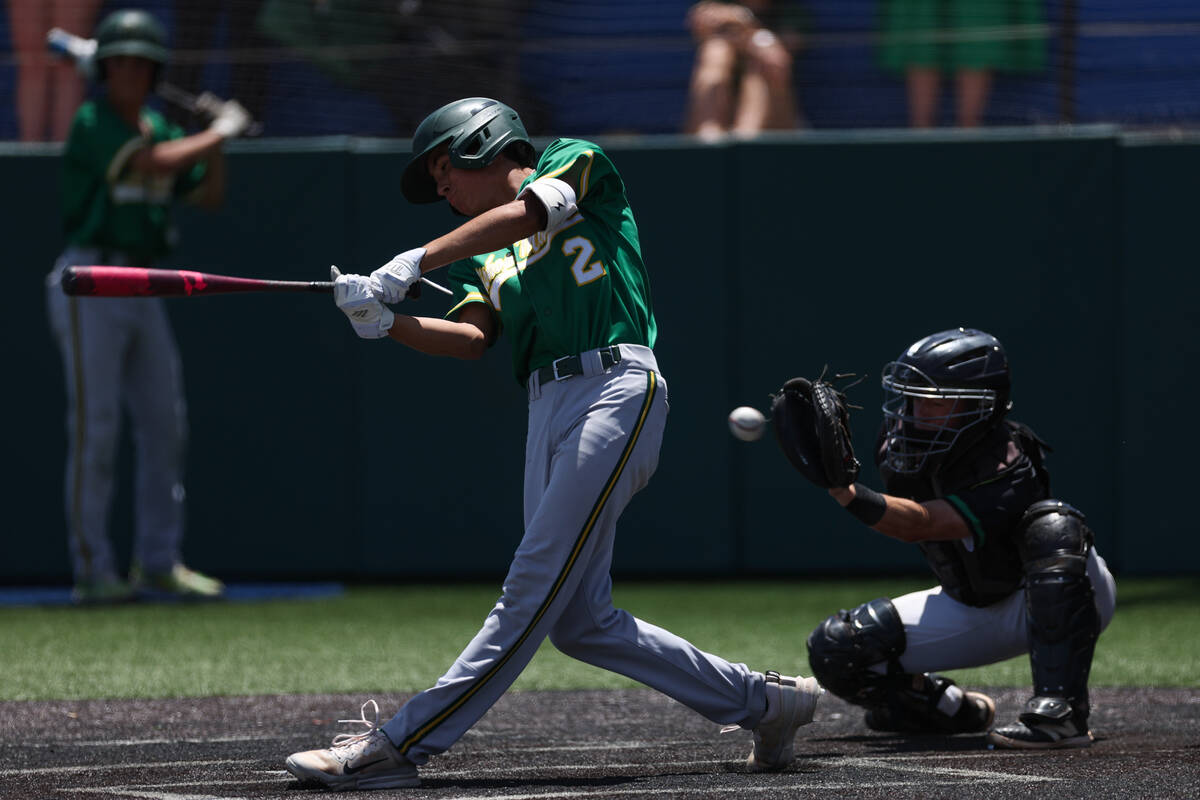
[
  {"x": 944, "y": 634},
  {"x": 593, "y": 442},
  {"x": 119, "y": 355}
]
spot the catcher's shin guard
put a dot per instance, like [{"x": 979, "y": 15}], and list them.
[
  {"x": 1062, "y": 620},
  {"x": 842, "y": 649}
]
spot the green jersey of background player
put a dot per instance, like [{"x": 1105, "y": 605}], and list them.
[
  {"x": 109, "y": 203},
  {"x": 550, "y": 256}
]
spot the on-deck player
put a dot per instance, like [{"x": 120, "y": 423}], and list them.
[
  {"x": 123, "y": 166},
  {"x": 550, "y": 256},
  {"x": 1017, "y": 571}
]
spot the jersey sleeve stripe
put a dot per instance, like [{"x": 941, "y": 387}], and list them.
[
  {"x": 971, "y": 519},
  {"x": 472, "y": 297},
  {"x": 587, "y": 174},
  {"x": 433, "y": 722},
  {"x": 587, "y": 171}
]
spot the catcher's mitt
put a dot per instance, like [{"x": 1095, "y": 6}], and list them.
[{"x": 812, "y": 427}]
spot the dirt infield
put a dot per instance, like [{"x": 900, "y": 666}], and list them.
[{"x": 613, "y": 744}]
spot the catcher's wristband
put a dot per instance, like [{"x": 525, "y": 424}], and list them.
[{"x": 868, "y": 505}]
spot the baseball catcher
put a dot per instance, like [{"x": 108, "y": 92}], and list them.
[{"x": 1017, "y": 570}]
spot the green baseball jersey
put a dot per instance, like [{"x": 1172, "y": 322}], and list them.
[
  {"x": 105, "y": 202},
  {"x": 572, "y": 289}
]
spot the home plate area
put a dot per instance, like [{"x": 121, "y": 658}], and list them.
[{"x": 592, "y": 744}]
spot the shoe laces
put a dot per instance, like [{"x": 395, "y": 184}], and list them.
[{"x": 347, "y": 739}]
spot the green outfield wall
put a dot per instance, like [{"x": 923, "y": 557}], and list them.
[{"x": 314, "y": 453}]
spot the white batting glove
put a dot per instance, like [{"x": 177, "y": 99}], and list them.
[
  {"x": 398, "y": 275},
  {"x": 231, "y": 119},
  {"x": 354, "y": 296}
]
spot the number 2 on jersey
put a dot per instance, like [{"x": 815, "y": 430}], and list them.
[{"x": 582, "y": 249}]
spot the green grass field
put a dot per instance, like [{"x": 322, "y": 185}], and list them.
[{"x": 395, "y": 639}]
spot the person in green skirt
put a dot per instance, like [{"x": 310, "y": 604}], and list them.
[{"x": 969, "y": 39}]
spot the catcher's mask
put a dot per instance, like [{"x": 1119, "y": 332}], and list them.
[
  {"x": 478, "y": 129},
  {"x": 944, "y": 393}
]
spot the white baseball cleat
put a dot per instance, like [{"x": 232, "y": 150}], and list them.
[
  {"x": 774, "y": 741},
  {"x": 361, "y": 761}
]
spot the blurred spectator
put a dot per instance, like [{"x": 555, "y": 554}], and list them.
[
  {"x": 48, "y": 90},
  {"x": 742, "y": 79},
  {"x": 195, "y": 23},
  {"x": 971, "y": 39}
]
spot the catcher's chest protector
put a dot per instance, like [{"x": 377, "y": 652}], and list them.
[{"x": 987, "y": 568}]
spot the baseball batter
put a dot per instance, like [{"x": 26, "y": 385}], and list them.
[
  {"x": 550, "y": 256},
  {"x": 1018, "y": 572},
  {"x": 123, "y": 167}
]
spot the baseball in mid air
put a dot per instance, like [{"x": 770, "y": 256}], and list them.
[{"x": 747, "y": 423}]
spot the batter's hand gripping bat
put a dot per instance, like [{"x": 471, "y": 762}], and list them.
[
  {"x": 108, "y": 281},
  {"x": 83, "y": 53}
]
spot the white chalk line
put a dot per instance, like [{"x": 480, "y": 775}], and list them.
[
  {"x": 143, "y": 742},
  {"x": 79, "y": 768},
  {"x": 773, "y": 788},
  {"x": 972, "y": 774},
  {"x": 942, "y": 776},
  {"x": 145, "y": 794}
]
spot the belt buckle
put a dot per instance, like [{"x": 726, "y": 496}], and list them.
[{"x": 554, "y": 369}]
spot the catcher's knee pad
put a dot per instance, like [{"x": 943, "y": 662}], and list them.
[
  {"x": 1062, "y": 622},
  {"x": 843, "y": 648},
  {"x": 1051, "y": 529}
]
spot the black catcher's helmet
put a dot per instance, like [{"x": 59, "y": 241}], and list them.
[{"x": 963, "y": 365}]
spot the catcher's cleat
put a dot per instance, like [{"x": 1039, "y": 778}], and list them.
[
  {"x": 179, "y": 582},
  {"x": 1047, "y": 723},
  {"x": 976, "y": 714},
  {"x": 774, "y": 741},
  {"x": 101, "y": 592},
  {"x": 360, "y": 761}
]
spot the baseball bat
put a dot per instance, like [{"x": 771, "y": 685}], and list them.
[
  {"x": 110, "y": 281},
  {"x": 83, "y": 53}
]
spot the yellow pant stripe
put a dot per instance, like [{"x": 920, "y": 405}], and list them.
[{"x": 425, "y": 729}]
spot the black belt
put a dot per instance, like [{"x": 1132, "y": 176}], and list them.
[{"x": 570, "y": 366}]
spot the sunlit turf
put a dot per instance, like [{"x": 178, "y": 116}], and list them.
[{"x": 400, "y": 638}]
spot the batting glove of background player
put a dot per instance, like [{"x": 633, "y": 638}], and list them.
[
  {"x": 230, "y": 119},
  {"x": 354, "y": 296},
  {"x": 396, "y": 277}
]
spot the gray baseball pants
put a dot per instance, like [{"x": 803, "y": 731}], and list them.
[
  {"x": 944, "y": 634},
  {"x": 119, "y": 355},
  {"x": 593, "y": 442}
]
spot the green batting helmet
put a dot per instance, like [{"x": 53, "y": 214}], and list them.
[
  {"x": 477, "y": 128},
  {"x": 130, "y": 33}
]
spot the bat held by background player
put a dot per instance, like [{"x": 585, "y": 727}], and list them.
[{"x": 114, "y": 281}]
